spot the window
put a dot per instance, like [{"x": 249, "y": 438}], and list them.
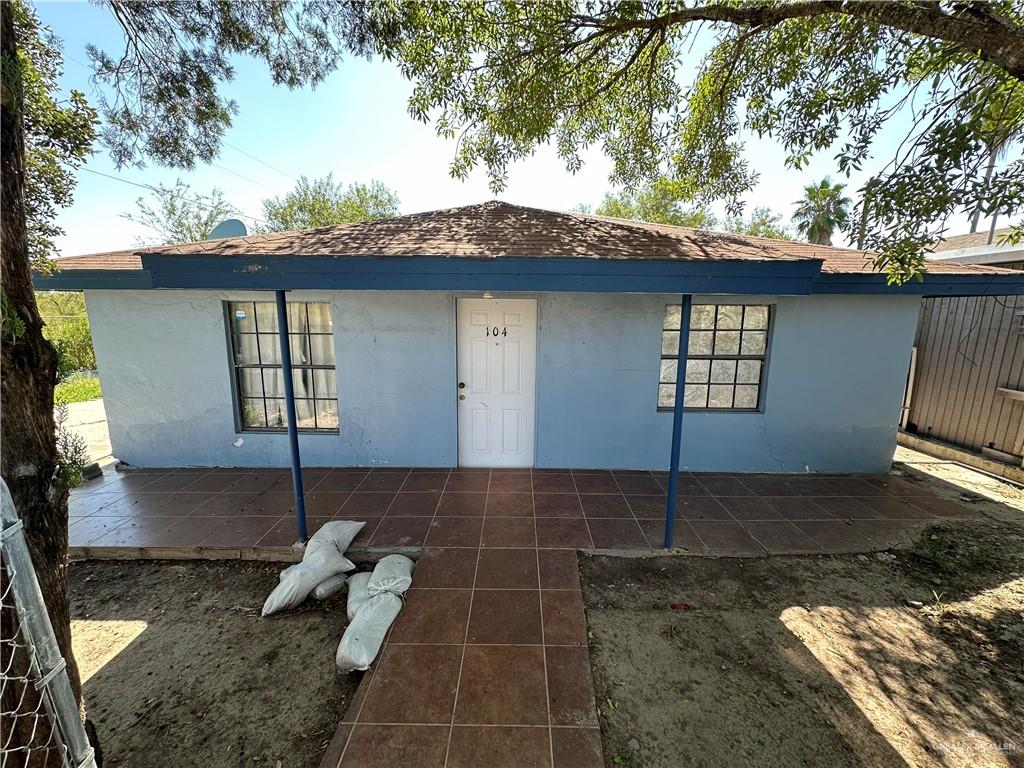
[
  {"x": 256, "y": 365},
  {"x": 725, "y": 361}
]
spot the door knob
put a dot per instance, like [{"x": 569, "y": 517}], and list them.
[{"x": 462, "y": 397}]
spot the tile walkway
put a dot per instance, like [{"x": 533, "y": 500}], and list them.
[{"x": 487, "y": 665}]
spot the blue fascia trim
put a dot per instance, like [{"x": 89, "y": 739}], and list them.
[
  {"x": 505, "y": 274},
  {"x": 936, "y": 285},
  {"x": 79, "y": 279}
]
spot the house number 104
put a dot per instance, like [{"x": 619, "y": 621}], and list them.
[{"x": 494, "y": 331}]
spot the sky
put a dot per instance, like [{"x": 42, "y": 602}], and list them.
[{"x": 354, "y": 125}]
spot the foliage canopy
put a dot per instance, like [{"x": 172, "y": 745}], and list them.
[
  {"x": 822, "y": 210},
  {"x": 177, "y": 215},
  {"x": 323, "y": 202}
]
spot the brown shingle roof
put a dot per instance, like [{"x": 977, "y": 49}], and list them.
[
  {"x": 970, "y": 240},
  {"x": 500, "y": 230}
]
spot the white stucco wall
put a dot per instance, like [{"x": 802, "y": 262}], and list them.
[{"x": 834, "y": 385}]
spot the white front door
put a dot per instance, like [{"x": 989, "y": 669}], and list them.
[{"x": 497, "y": 351}]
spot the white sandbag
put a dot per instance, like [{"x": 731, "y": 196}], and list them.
[
  {"x": 358, "y": 593},
  {"x": 362, "y": 639},
  {"x": 286, "y": 571},
  {"x": 329, "y": 587},
  {"x": 322, "y": 559}
]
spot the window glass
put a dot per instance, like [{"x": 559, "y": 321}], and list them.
[
  {"x": 725, "y": 356},
  {"x": 259, "y": 376}
]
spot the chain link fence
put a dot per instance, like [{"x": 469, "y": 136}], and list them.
[{"x": 41, "y": 724}]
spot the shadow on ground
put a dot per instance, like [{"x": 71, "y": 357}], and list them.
[{"x": 816, "y": 660}]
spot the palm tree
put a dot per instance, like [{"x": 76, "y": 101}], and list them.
[{"x": 823, "y": 210}]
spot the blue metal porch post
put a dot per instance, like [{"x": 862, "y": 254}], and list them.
[
  {"x": 293, "y": 426},
  {"x": 677, "y": 419}
]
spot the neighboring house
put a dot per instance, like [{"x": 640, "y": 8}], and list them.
[
  {"x": 967, "y": 386},
  {"x": 503, "y": 336}
]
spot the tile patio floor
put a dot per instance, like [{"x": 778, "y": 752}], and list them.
[{"x": 487, "y": 665}]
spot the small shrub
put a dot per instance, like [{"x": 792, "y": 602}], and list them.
[
  {"x": 72, "y": 452},
  {"x": 77, "y": 388}
]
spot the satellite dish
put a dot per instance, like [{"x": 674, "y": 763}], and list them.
[{"x": 228, "y": 228}]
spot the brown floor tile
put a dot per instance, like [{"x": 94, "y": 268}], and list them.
[
  {"x": 559, "y": 569},
  {"x": 749, "y": 508},
  {"x": 463, "y": 482},
  {"x": 844, "y": 507},
  {"x": 688, "y": 484},
  {"x": 560, "y": 470},
  {"x": 596, "y": 484},
  {"x": 508, "y": 532},
  {"x": 375, "y": 503},
  {"x": 425, "y": 481},
  {"x": 945, "y": 508},
  {"x": 212, "y": 483},
  {"x": 692, "y": 508},
  {"x": 507, "y": 569},
  {"x": 553, "y": 483},
  {"x": 283, "y": 533},
  {"x": 605, "y": 505},
  {"x": 383, "y": 481},
  {"x": 499, "y": 747},
  {"x": 445, "y": 568},
  {"x": 413, "y": 684},
  {"x": 797, "y": 508},
  {"x": 833, "y": 535},
  {"x": 721, "y": 536},
  {"x": 83, "y": 505},
  {"x": 341, "y": 480},
  {"x": 647, "y": 506},
  {"x": 174, "y": 482},
  {"x": 132, "y": 532},
  {"x": 243, "y": 531},
  {"x": 365, "y": 534},
  {"x": 143, "y": 503},
  {"x": 432, "y": 616},
  {"x": 396, "y": 746},
  {"x": 271, "y": 503},
  {"x": 577, "y": 748},
  {"x": 897, "y": 486},
  {"x": 325, "y": 503},
  {"x": 505, "y": 617},
  {"x": 462, "y": 504},
  {"x": 130, "y": 482},
  {"x": 638, "y": 484},
  {"x": 683, "y": 535},
  {"x": 510, "y": 482},
  {"x": 454, "y": 532},
  {"x": 416, "y": 503},
  {"x": 400, "y": 532},
  {"x": 891, "y": 508},
  {"x": 718, "y": 485},
  {"x": 570, "y": 686},
  {"x": 616, "y": 534},
  {"x": 770, "y": 485},
  {"x": 557, "y": 505},
  {"x": 187, "y": 532},
  {"x": 502, "y": 685},
  {"x": 259, "y": 482},
  {"x": 564, "y": 620},
  {"x": 509, "y": 504},
  {"x": 560, "y": 532},
  {"x": 229, "y": 505},
  {"x": 781, "y": 537},
  {"x": 585, "y": 471},
  {"x": 833, "y": 486}
]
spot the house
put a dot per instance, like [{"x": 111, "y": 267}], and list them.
[
  {"x": 496, "y": 335},
  {"x": 967, "y": 387}
]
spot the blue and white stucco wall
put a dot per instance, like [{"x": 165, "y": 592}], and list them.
[{"x": 834, "y": 384}]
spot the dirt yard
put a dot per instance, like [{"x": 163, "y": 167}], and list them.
[
  {"x": 814, "y": 661},
  {"x": 180, "y": 670}
]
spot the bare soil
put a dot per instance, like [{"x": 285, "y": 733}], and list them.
[
  {"x": 814, "y": 661},
  {"x": 180, "y": 670}
]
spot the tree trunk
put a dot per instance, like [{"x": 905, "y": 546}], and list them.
[
  {"x": 28, "y": 450},
  {"x": 976, "y": 217}
]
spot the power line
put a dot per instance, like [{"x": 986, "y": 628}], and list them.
[
  {"x": 151, "y": 188},
  {"x": 244, "y": 178},
  {"x": 261, "y": 162}
]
